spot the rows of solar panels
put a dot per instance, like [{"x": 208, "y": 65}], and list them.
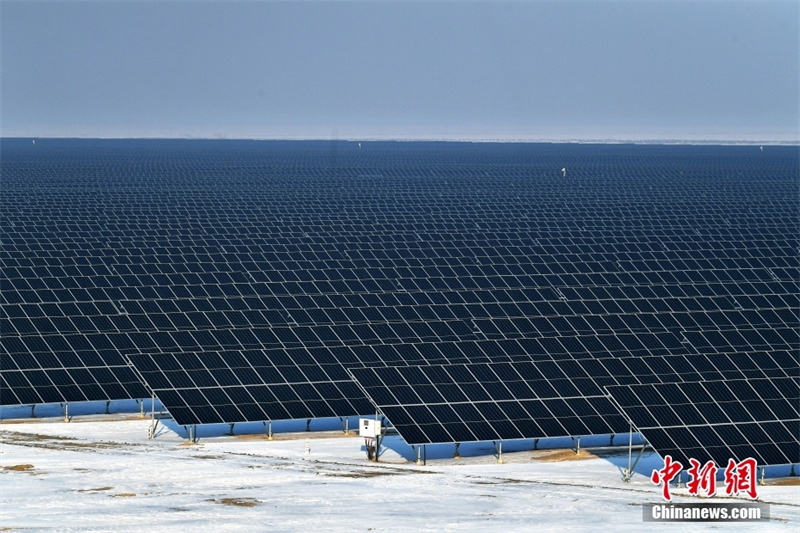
[{"x": 246, "y": 281}]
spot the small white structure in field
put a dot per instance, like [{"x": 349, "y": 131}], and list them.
[{"x": 369, "y": 428}]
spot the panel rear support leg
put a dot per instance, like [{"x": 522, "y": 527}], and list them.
[
  {"x": 577, "y": 442},
  {"x": 627, "y": 473},
  {"x": 498, "y": 447}
]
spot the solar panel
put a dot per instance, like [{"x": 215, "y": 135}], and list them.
[
  {"x": 717, "y": 420},
  {"x": 493, "y": 401},
  {"x": 247, "y": 385},
  {"x": 558, "y": 392},
  {"x": 396, "y": 254}
]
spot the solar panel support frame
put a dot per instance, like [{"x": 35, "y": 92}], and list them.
[{"x": 627, "y": 473}]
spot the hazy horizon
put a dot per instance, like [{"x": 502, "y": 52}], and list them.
[{"x": 506, "y": 71}]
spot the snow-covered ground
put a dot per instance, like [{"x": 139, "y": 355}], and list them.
[{"x": 102, "y": 473}]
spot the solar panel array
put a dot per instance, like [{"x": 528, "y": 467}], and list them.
[
  {"x": 718, "y": 420},
  {"x": 547, "y": 398},
  {"x": 304, "y": 255},
  {"x": 489, "y": 401}
]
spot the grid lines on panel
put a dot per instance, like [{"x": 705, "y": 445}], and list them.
[{"x": 717, "y": 420}]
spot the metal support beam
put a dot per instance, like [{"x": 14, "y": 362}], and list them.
[
  {"x": 308, "y": 424},
  {"x": 421, "y": 452},
  {"x": 378, "y": 442},
  {"x": 191, "y": 433},
  {"x": 108, "y": 403},
  {"x": 535, "y": 444},
  {"x": 141, "y": 407},
  {"x": 66, "y": 412},
  {"x": 151, "y": 431},
  {"x": 498, "y": 446},
  {"x": 231, "y": 431},
  {"x": 577, "y": 444},
  {"x": 627, "y": 473},
  {"x": 268, "y": 429}
]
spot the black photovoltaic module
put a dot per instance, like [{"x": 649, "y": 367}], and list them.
[
  {"x": 718, "y": 420},
  {"x": 325, "y": 256}
]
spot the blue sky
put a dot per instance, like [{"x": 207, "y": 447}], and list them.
[{"x": 479, "y": 70}]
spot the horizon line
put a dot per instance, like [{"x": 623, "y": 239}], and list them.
[{"x": 453, "y": 139}]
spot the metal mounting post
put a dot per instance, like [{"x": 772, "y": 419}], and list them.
[
  {"x": 268, "y": 429},
  {"x": 308, "y": 424},
  {"x": 33, "y": 410},
  {"x": 191, "y": 433},
  {"x": 151, "y": 431},
  {"x": 108, "y": 403},
  {"x": 498, "y": 446},
  {"x": 231, "y": 431},
  {"x": 66, "y": 412},
  {"x": 378, "y": 442},
  {"x": 577, "y": 442},
  {"x": 761, "y": 479},
  {"x": 457, "y": 455},
  {"x": 535, "y": 444},
  {"x": 141, "y": 407},
  {"x": 627, "y": 473}
]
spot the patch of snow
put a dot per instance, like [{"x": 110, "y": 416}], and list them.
[{"x": 103, "y": 474}]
